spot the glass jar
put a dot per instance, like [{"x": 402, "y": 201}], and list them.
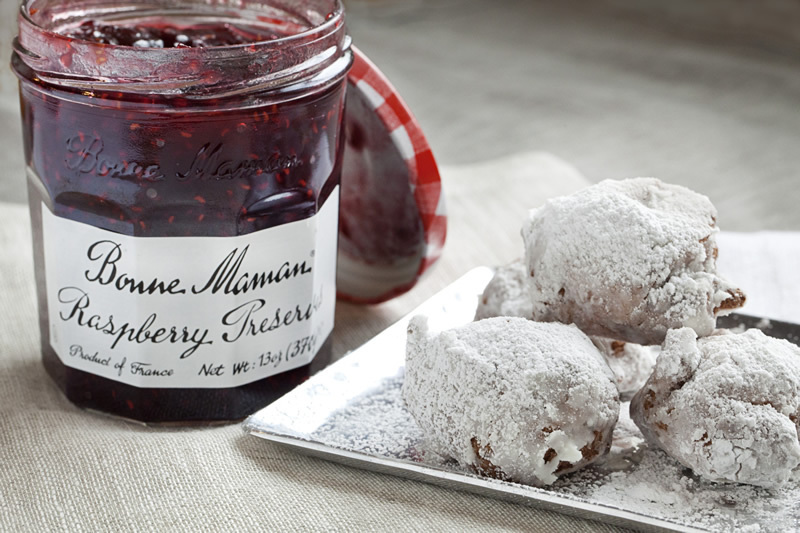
[{"x": 183, "y": 199}]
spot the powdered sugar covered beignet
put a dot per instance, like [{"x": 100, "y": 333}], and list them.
[
  {"x": 627, "y": 260},
  {"x": 514, "y": 399},
  {"x": 507, "y": 294},
  {"x": 727, "y": 406},
  {"x": 630, "y": 363}
]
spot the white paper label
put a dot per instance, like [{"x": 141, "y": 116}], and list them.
[{"x": 190, "y": 312}]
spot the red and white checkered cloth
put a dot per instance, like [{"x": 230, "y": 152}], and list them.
[{"x": 407, "y": 136}]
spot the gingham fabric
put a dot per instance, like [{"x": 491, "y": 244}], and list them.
[{"x": 407, "y": 136}]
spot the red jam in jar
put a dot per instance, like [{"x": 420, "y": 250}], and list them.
[{"x": 183, "y": 176}]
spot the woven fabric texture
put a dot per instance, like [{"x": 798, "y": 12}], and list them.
[{"x": 62, "y": 468}]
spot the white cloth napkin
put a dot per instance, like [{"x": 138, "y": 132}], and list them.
[{"x": 766, "y": 265}]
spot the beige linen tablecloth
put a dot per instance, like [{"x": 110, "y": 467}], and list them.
[{"x": 62, "y": 468}]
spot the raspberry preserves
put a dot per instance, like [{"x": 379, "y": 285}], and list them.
[{"x": 183, "y": 170}]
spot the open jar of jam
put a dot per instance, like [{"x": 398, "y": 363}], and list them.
[{"x": 184, "y": 164}]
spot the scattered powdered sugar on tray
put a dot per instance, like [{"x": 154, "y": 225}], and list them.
[
  {"x": 374, "y": 425},
  {"x": 632, "y": 477},
  {"x": 653, "y": 484}
]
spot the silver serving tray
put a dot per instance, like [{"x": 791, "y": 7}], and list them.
[{"x": 352, "y": 413}]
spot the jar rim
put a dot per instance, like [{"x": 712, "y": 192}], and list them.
[
  {"x": 192, "y": 71},
  {"x": 336, "y": 13}
]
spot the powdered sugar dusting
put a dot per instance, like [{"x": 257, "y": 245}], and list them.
[
  {"x": 627, "y": 260},
  {"x": 513, "y": 398},
  {"x": 374, "y": 425},
  {"x": 632, "y": 477},
  {"x": 631, "y": 363},
  {"x": 369, "y": 417},
  {"x": 727, "y": 406},
  {"x": 508, "y": 294}
]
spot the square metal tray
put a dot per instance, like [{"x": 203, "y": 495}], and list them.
[{"x": 352, "y": 413}]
